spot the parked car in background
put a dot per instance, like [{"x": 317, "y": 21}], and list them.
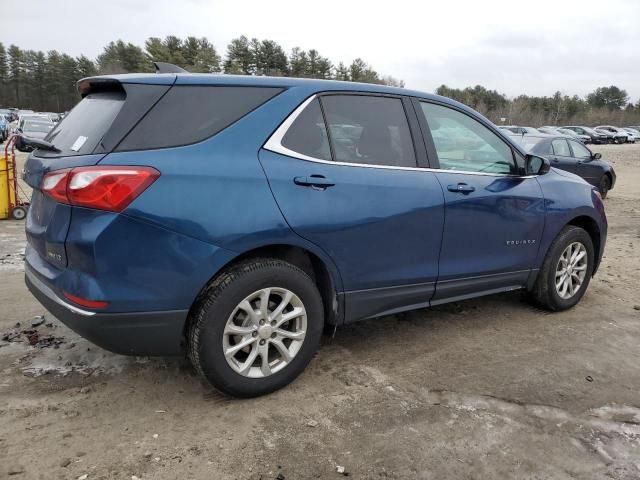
[
  {"x": 578, "y": 136},
  {"x": 7, "y": 114},
  {"x": 619, "y": 135},
  {"x": 633, "y": 131},
  {"x": 612, "y": 137},
  {"x": 519, "y": 129},
  {"x": 563, "y": 131},
  {"x": 39, "y": 117},
  {"x": 572, "y": 156},
  {"x": 34, "y": 127},
  {"x": 548, "y": 130},
  {"x": 593, "y": 135},
  {"x": 4, "y": 129}
]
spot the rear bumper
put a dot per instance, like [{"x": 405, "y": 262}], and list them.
[{"x": 136, "y": 333}]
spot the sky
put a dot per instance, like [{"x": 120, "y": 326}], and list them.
[{"x": 531, "y": 47}]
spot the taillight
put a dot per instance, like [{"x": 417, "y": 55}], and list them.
[
  {"x": 110, "y": 188},
  {"x": 55, "y": 185}
]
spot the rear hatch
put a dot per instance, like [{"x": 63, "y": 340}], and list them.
[{"x": 110, "y": 108}]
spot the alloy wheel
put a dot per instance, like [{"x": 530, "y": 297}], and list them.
[
  {"x": 571, "y": 270},
  {"x": 264, "y": 332}
]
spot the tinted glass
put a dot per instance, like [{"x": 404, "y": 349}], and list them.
[
  {"x": 464, "y": 144},
  {"x": 527, "y": 142},
  {"x": 579, "y": 150},
  {"x": 369, "y": 130},
  {"x": 561, "y": 147},
  {"x": 308, "y": 134},
  {"x": 87, "y": 123},
  {"x": 189, "y": 114},
  {"x": 40, "y": 127}
]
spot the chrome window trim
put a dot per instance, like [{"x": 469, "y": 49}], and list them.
[{"x": 274, "y": 144}]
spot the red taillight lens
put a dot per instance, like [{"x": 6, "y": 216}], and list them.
[
  {"x": 96, "y": 304},
  {"x": 54, "y": 184},
  {"x": 110, "y": 188}
]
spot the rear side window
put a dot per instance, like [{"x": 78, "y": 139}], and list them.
[
  {"x": 561, "y": 147},
  {"x": 308, "y": 134},
  {"x": 189, "y": 114},
  {"x": 81, "y": 130},
  {"x": 369, "y": 130}
]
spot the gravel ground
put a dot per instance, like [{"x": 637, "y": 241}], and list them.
[{"x": 488, "y": 388}]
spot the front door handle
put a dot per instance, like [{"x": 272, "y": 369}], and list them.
[
  {"x": 461, "y": 188},
  {"x": 319, "y": 181}
]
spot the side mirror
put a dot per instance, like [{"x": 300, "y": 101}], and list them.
[
  {"x": 536, "y": 165},
  {"x": 596, "y": 156}
]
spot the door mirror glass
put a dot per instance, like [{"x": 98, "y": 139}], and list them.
[
  {"x": 537, "y": 165},
  {"x": 597, "y": 156}
]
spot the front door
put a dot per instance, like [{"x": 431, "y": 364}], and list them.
[
  {"x": 354, "y": 190},
  {"x": 494, "y": 216},
  {"x": 583, "y": 159}
]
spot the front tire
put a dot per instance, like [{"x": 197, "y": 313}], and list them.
[
  {"x": 566, "y": 270},
  {"x": 604, "y": 186},
  {"x": 256, "y": 327}
]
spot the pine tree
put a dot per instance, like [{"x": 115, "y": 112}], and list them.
[
  {"x": 16, "y": 73},
  {"x": 4, "y": 76},
  {"x": 239, "y": 58}
]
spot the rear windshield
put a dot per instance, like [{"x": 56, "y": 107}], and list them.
[
  {"x": 527, "y": 142},
  {"x": 83, "y": 128},
  {"x": 40, "y": 127}
]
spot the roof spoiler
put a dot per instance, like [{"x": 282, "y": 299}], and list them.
[{"x": 162, "y": 67}]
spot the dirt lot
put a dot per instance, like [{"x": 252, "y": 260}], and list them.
[{"x": 489, "y": 388}]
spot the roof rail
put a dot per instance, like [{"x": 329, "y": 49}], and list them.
[{"x": 162, "y": 67}]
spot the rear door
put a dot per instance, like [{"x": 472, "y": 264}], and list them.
[
  {"x": 494, "y": 216},
  {"x": 344, "y": 171},
  {"x": 562, "y": 156}
]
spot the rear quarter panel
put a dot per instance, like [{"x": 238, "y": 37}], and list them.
[{"x": 216, "y": 191}]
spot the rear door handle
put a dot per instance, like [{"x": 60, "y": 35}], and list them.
[
  {"x": 461, "y": 188},
  {"x": 319, "y": 181}
]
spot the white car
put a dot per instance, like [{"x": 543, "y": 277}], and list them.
[
  {"x": 619, "y": 133},
  {"x": 41, "y": 117},
  {"x": 633, "y": 132}
]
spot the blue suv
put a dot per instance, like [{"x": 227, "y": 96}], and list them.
[{"x": 232, "y": 218}]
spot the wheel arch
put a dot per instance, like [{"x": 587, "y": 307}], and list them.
[
  {"x": 588, "y": 224},
  {"x": 319, "y": 267}
]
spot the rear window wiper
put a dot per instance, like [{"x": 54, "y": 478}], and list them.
[{"x": 38, "y": 144}]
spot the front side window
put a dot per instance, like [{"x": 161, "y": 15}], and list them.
[
  {"x": 369, "y": 130},
  {"x": 561, "y": 147},
  {"x": 464, "y": 144},
  {"x": 579, "y": 150},
  {"x": 308, "y": 135}
]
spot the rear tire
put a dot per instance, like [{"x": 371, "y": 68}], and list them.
[
  {"x": 555, "y": 290},
  {"x": 240, "y": 348},
  {"x": 604, "y": 186}
]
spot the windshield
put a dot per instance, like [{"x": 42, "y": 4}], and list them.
[{"x": 41, "y": 127}]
